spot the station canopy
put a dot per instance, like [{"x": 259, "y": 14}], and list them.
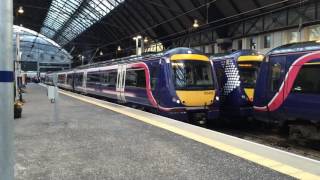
[
  {"x": 89, "y": 27},
  {"x": 67, "y": 19},
  {"x": 37, "y": 47}
]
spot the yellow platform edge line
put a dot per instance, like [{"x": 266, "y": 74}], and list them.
[{"x": 260, "y": 160}]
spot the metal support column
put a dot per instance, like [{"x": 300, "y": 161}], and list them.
[
  {"x": 6, "y": 91},
  {"x": 18, "y": 76},
  {"x": 142, "y": 46},
  {"x": 17, "y": 65},
  {"x": 137, "y": 46},
  {"x": 38, "y": 70}
]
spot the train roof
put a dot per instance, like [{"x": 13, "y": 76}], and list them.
[
  {"x": 148, "y": 57},
  {"x": 296, "y": 47},
  {"x": 245, "y": 52},
  {"x": 181, "y": 50}
]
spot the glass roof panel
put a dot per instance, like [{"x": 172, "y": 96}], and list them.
[
  {"x": 36, "y": 47},
  {"x": 69, "y": 18},
  {"x": 59, "y": 13}
]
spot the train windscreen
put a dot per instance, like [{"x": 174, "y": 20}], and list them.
[
  {"x": 249, "y": 73},
  {"x": 192, "y": 75}
]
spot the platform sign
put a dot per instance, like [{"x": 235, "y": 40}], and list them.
[{"x": 29, "y": 66}]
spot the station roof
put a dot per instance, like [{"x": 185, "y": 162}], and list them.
[
  {"x": 36, "y": 47},
  {"x": 91, "y": 24}
]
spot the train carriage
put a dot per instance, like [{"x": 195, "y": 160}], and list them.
[
  {"x": 48, "y": 79},
  {"x": 179, "y": 83},
  {"x": 237, "y": 73},
  {"x": 288, "y": 87}
]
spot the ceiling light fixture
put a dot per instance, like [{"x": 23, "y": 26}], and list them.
[
  {"x": 20, "y": 10},
  {"x": 145, "y": 40},
  {"x": 195, "y": 23},
  {"x": 137, "y": 37}
]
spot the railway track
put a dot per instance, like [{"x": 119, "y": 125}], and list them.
[{"x": 270, "y": 136}]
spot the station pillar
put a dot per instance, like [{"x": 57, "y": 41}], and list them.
[{"x": 6, "y": 91}]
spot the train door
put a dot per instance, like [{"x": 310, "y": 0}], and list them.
[
  {"x": 276, "y": 74},
  {"x": 84, "y": 81},
  {"x": 73, "y": 80},
  {"x": 121, "y": 79},
  {"x": 155, "y": 78}
]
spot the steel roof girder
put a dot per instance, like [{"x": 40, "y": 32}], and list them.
[{"x": 171, "y": 27}]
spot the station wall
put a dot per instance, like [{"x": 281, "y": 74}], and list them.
[{"x": 265, "y": 42}]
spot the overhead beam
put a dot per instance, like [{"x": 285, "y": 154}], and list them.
[
  {"x": 170, "y": 24},
  {"x": 234, "y": 6},
  {"x": 173, "y": 15},
  {"x": 127, "y": 21},
  {"x": 146, "y": 9},
  {"x": 196, "y": 4},
  {"x": 256, "y": 3},
  {"x": 135, "y": 17},
  {"x": 141, "y": 16}
]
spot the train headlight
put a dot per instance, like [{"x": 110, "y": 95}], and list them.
[
  {"x": 176, "y": 100},
  {"x": 217, "y": 98},
  {"x": 167, "y": 60}
]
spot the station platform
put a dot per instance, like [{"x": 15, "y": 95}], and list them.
[{"x": 81, "y": 137}]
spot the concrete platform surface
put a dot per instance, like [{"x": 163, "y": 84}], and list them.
[{"x": 89, "y": 142}]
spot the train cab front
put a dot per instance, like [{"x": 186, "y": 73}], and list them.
[
  {"x": 249, "y": 66},
  {"x": 193, "y": 80}
]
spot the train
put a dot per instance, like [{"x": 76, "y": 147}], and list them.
[
  {"x": 288, "y": 89},
  {"x": 237, "y": 73},
  {"x": 180, "y": 83},
  {"x": 281, "y": 87}
]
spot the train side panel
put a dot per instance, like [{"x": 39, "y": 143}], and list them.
[
  {"x": 303, "y": 101},
  {"x": 288, "y": 88}
]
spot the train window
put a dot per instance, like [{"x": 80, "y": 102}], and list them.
[
  {"x": 78, "y": 79},
  {"x": 220, "y": 75},
  {"x": 112, "y": 78},
  {"x": 69, "y": 79},
  {"x": 248, "y": 74},
  {"x": 136, "y": 78},
  {"x": 61, "y": 78},
  {"x": 109, "y": 78},
  {"x": 275, "y": 77},
  {"x": 189, "y": 75},
  {"x": 308, "y": 80},
  {"x": 131, "y": 78},
  {"x": 93, "y": 77},
  {"x": 141, "y": 78},
  {"x": 104, "y": 78}
]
